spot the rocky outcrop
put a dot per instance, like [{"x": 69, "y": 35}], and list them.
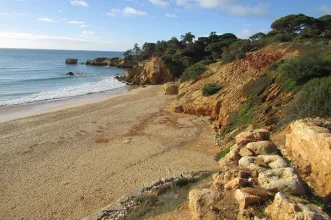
[
  {"x": 152, "y": 72},
  {"x": 290, "y": 207},
  {"x": 233, "y": 77},
  {"x": 71, "y": 61},
  {"x": 111, "y": 62},
  {"x": 170, "y": 88},
  {"x": 308, "y": 146}
]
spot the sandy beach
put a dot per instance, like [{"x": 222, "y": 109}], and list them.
[{"x": 71, "y": 161}]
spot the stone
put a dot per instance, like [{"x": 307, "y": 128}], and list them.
[
  {"x": 245, "y": 152},
  {"x": 308, "y": 147},
  {"x": 235, "y": 184},
  {"x": 257, "y": 192},
  {"x": 200, "y": 202},
  {"x": 231, "y": 158},
  {"x": 281, "y": 180},
  {"x": 273, "y": 161},
  {"x": 262, "y": 147},
  {"x": 244, "y": 199},
  {"x": 71, "y": 61},
  {"x": 252, "y": 136},
  {"x": 226, "y": 175},
  {"x": 248, "y": 162},
  {"x": 170, "y": 88},
  {"x": 70, "y": 74},
  {"x": 290, "y": 207}
]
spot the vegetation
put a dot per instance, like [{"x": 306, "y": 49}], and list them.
[
  {"x": 210, "y": 89},
  {"x": 193, "y": 72},
  {"x": 223, "y": 153}
]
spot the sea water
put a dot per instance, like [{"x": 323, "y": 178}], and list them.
[{"x": 32, "y": 76}]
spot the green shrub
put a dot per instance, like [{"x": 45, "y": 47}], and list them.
[
  {"x": 223, "y": 153},
  {"x": 210, "y": 89},
  {"x": 257, "y": 87},
  {"x": 301, "y": 69},
  {"x": 314, "y": 99},
  {"x": 193, "y": 72}
]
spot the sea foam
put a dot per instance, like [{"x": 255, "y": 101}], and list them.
[{"x": 88, "y": 88}]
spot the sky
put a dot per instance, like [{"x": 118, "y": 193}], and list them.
[{"x": 115, "y": 25}]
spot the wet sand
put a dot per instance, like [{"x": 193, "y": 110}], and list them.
[{"x": 71, "y": 161}]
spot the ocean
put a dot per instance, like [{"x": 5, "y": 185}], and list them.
[{"x": 31, "y": 76}]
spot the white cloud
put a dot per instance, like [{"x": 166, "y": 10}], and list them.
[
  {"x": 79, "y": 3},
  {"x": 88, "y": 33},
  {"x": 46, "y": 20},
  {"x": 170, "y": 15},
  {"x": 182, "y": 2},
  {"x": 113, "y": 12},
  {"x": 132, "y": 11},
  {"x": 27, "y": 40},
  {"x": 325, "y": 9},
  {"x": 83, "y": 26},
  {"x": 260, "y": 9},
  {"x": 4, "y": 14},
  {"x": 161, "y": 3},
  {"x": 76, "y": 22}
]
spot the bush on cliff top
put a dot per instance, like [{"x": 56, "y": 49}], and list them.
[
  {"x": 193, "y": 72},
  {"x": 301, "y": 69},
  {"x": 210, "y": 89}
]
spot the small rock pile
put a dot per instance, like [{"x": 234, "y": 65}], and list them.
[
  {"x": 119, "y": 209},
  {"x": 259, "y": 179}
]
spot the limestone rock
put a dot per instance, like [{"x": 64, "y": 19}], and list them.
[
  {"x": 262, "y": 147},
  {"x": 308, "y": 146},
  {"x": 200, "y": 202},
  {"x": 290, "y": 207},
  {"x": 252, "y": 136},
  {"x": 231, "y": 158},
  {"x": 244, "y": 199},
  {"x": 281, "y": 180},
  {"x": 170, "y": 88},
  {"x": 226, "y": 174},
  {"x": 257, "y": 192},
  {"x": 273, "y": 161},
  {"x": 155, "y": 72},
  {"x": 235, "y": 183},
  {"x": 249, "y": 163},
  {"x": 71, "y": 61},
  {"x": 245, "y": 152}
]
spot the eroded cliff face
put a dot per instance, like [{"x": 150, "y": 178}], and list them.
[
  {"x": 154, "y": 72},
  {"x": 308, "y": 146},
  {"x": 232, "y": 78}
]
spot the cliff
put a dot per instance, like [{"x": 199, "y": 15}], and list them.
[
  {"x": 152, "y": 71},
  {"x": 111, "y": 62}
]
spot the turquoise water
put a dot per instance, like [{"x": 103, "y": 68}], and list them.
[{"x": 31, "y": 76}]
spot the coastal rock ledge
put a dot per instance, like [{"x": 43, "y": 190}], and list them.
[
  {"x": 71, "y": 61},
  {"x": 111, "y": 62}
]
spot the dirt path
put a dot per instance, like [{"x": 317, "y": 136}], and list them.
[{"x": 70, "y": 163}]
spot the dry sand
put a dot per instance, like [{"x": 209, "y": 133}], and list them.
[{"x": 69, "y": 163}]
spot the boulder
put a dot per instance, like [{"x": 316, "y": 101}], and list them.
[
  {"x": 290, "y": 207},
  {"x": 155, "y": 72},
  {"x": 170, "y": 88},
  {"x": 226, "y": 174},
  {"x": 262, "y": 147},
  {"x": 245, "y": 199},
  {"x": 200, "y": 202},
  {"x": 273, "y": 161},
  {"x": 252, "y": 136},
  {"x": 308, "y": 147},
  {"x": 100, "y": 61},
  {"x": 71, "y": 61},
  {"x": 248, "y": 162},
  {"x": 235, "y": 184},
  {"x": 257, "y": 192},
  {"x": 245, "y": 152},
  {"x": 231, "y": 158},
  {"x": 281, "y": 180}
]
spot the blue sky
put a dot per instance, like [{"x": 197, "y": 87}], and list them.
[{"x": 118, "y": 24}]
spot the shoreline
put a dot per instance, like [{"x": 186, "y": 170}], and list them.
[
  {"x": 73, "y": 160},
  {"x": 21, "y": 111}
]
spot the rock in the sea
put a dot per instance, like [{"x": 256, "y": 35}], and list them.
[
  {"x": 170, "y": 88},
  {"x": 70, "y": 74},
  {"x": 262, "y": 147},
  {"x": 252, "y": 136},
  {"x": 281, "y": 180},
  {"x": 200, "y": 202},
  {"x": 308, "y": 146},
  {"x": 71, "y": 61},
  {"x": 291, "y": 207}
]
